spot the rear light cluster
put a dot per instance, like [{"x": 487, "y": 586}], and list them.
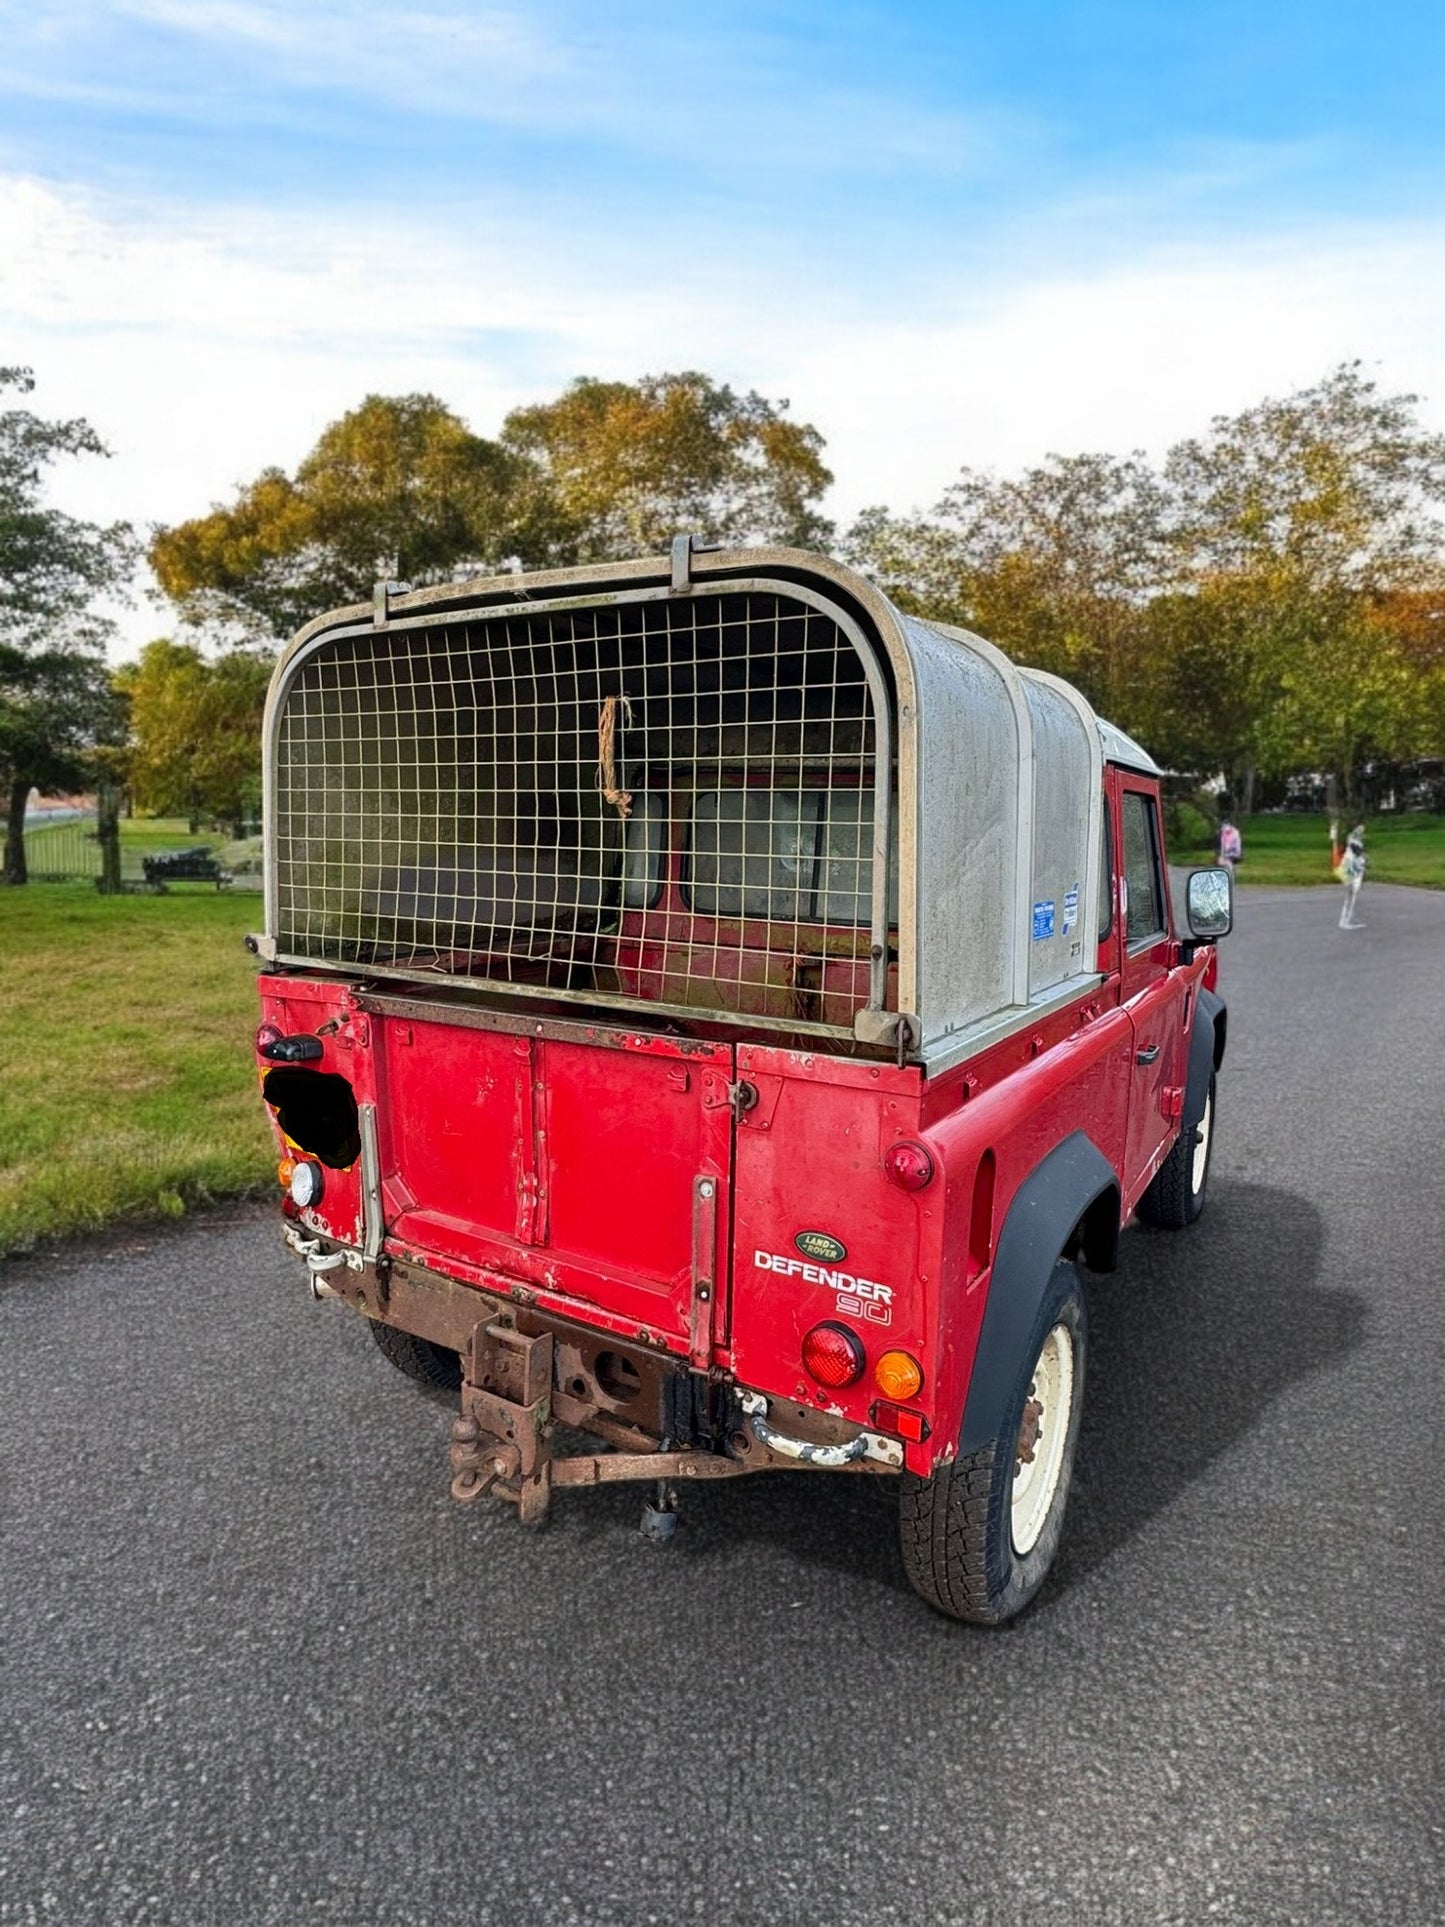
[
  {"x": 302, "y": 1181},
  {"x": 834, "y": 1357},
  {"x": 909, "y": 1165}
]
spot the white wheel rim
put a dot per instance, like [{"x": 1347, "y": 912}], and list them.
[
  {"x": 1036, "y": 1480},
  {"x": 1201, "y": 1147}
]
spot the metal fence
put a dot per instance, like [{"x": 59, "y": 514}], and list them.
[{"x": 68, "y": 851}]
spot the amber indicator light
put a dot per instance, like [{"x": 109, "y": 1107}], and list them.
[{"x": 898, "y": 1376}]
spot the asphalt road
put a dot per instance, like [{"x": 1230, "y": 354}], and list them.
[{"x": 257, "y": 1667}]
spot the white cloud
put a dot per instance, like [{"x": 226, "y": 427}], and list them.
[
  {"x": 717, "y": 96},
  {"x": 1134, "y": 356},
  {"x": 205, "y": 347},
  {"x": 386, "y": 51}
]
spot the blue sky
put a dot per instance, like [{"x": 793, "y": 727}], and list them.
[{"x": 966, "y": 233}]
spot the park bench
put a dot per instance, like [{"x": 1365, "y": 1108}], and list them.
[{"x": 184, "y": 866}]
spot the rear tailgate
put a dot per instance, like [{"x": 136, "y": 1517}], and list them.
[{"x": 590, "y": 1163}]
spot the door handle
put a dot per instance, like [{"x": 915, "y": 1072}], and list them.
[{"x": 1147, "y": 1055}]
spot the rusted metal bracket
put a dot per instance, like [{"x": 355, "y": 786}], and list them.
[
  {"x": 502, "y": 1442},
  {"x": 614, "y": 1467},
  {"x": 896, "y": 1027}
]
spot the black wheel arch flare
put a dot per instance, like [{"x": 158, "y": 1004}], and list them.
[
  {"x": 1206, "y": 1054},
  {"x": 1046, "y": 1209}
]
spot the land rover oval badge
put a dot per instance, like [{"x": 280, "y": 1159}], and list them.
[{"x": 818, "y": 1244}]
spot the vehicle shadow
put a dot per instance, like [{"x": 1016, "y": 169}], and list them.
[{"x": 1190, "y": 1342}]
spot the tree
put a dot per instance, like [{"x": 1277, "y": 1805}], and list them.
[
  {"x": 1056, "y": 566},
  {"x": 56, "y": 702},
  {"x": 1293, "y": 519},
  {"x": 398, "y": 488},
  {"x": 1243, "y": 609},
  {"x": 51, "y": 565},
  {"x": 196, "y": 731},
  {"x": 625, "y": 466},
  {"x": 401, "y": 488},
  {"x": 56, "y": 706}
]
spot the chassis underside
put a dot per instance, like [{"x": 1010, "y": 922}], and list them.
[{"x": 545, "y": 1403}]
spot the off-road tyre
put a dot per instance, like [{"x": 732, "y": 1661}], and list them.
[
  {"x": 1177, "y": 1190},
  {"x": 431, "y": 1365},
  {"x": 956, "y": 1527}
]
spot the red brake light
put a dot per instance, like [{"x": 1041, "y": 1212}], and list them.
[
  {"x": 833, "y": 1355},
  {"x": 267, "y": 1035},
  {"x": 909, "y": 1165}
]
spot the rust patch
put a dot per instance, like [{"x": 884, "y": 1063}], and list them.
[{"x": 1029, "y": 1432}]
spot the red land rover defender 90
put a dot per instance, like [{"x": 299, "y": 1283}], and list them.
[{"x": 709, "y": 1010}]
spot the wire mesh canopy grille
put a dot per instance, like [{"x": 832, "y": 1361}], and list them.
[{"x": 669, "y": 800}]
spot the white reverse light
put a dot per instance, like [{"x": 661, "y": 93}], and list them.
[{"x": 306, "y": 1184}]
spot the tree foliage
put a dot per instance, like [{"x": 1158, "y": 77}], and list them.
[
  {"x": 195, "y": 729},
  {"x": 1262, "y": 602},
  {"x": 1055, "y": 565},
  {"x": 51, "y": 565},
  {"x": 1295, "y": 518},
  {"x": 625, "y": 466},
  {"x": 399, "y": 488},
  {"x": 56, "y": 700}
]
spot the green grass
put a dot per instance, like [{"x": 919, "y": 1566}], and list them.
[
  {"x": 128, "y": 1087},
  {"x": 1295, "y": 848}
]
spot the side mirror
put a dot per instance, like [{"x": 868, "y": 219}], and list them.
[{"x": 1209, "y": 904}]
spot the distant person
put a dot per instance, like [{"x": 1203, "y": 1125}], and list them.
[
  {"x": 1229, "y": 844},
  {"x": 1350, "y": 870}
]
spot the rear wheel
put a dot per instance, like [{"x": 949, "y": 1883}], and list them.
[
  {"x": 430, "y": 1365},
  {"x": 979, "y": 1536},
  {"x": 1175, "y": 1196}
]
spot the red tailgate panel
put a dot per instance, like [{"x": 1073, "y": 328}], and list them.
[
  {"x": 450, "y": 1156},
  {"x": 565, "y": 1157},
  {"x": 809, "y": 1160}
]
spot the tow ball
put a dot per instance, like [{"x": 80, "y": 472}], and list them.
[{"x": 478, "y": 1462}]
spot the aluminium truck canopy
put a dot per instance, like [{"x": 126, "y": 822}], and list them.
[{"x": 875, "y": 818}]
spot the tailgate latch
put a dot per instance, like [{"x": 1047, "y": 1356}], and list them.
[{"x": 739, "y": 1098}]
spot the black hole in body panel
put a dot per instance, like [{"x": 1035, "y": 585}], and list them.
[{"x": 317, "y": 1110}]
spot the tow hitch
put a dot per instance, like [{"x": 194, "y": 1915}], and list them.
[{"x": 502, "y": 1439}]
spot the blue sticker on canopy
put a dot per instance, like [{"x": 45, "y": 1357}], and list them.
[
  {"x": 1071, "y": 909},
  {"x": 1043, "y": 920}
]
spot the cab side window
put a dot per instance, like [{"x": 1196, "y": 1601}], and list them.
[{"x": 1141, "y": 868}]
